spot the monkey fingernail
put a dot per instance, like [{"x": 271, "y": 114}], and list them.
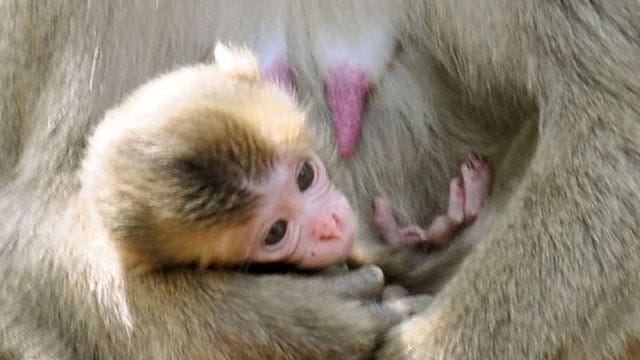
[
  {"x": 366, "y": 282},
  {"x": 393, "y": 292},
  {"x": 399, "y": 309},
  {"x": 372, "y": 274}
]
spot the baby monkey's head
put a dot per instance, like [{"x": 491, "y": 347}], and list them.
[{"x": 210, "y": 165}]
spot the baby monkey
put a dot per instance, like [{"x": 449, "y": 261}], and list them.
[{"x": 209, "y": 165}]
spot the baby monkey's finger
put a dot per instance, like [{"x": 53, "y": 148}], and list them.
[
  {"x": 364, "y": 283},
  {"x": 391, "y": 312}
]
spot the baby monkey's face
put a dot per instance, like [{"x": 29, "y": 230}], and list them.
[
  {"x": 302, "y": 218},
  {"x": 298, "y": 217}
]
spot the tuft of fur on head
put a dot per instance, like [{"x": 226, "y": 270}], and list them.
[{"x": 237, "y": 62}]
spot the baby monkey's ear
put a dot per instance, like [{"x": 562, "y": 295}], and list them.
[{"x": 239, "y": 62}]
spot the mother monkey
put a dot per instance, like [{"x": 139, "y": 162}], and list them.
[{"x": 556, "y": 276}]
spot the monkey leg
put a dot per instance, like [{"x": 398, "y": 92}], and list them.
[
  {"x": 467, "y": 195},
  {"x": 476, "y": 178}
]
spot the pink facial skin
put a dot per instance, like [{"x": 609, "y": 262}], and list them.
[
  {"x": 346, "y": 87},
  {"x": 278, "y": 72},
  {"x": 467, "y": 195},
  {"x": 321, "y": 226}
]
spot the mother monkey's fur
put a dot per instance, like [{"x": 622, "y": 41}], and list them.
[{"x": 557, "y": 276}]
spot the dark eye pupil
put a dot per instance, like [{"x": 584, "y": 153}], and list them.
[
  {"x": 305, "y": 176},
  {"x": 276, "y": 233}
]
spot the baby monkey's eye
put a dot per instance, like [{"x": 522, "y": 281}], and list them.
[
  {"x": 305, "y": 176},
  {"x": 276, "y": 233}
]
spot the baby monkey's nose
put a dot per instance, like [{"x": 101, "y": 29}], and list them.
[{"x": 330, "y": 228}]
